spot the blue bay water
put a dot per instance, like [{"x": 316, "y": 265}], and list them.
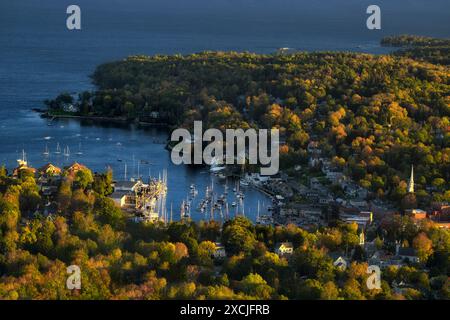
[{"x": 40, "y": 58}]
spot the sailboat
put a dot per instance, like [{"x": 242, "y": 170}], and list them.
[
  {"x": 79, "y": 153},
  {"x": 46, "y": 152},
  {"x": 23, "y": 161},
  {"x": 67, "y": 151},
  {"x": 225, "y": 192},
  {"x": 257, "y": 214},
  {"x": 185, "y": 210},
  {"x": 58, "y": 149}
]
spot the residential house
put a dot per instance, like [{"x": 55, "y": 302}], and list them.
[
  {"x": 335, "y": 177},
  {"x": 219, "y": 252},
  {"x": 381, "y": 259},
  {"x": 416, "y": 214},
  {"x": 69, "y": 107},
  {"x": 23, "y": 165},
  {"x": 339, "y": 260},
  {"x": 154, "y": 115},
  {"x": 326, "y": 200},
  {"x": 75, "y": 168},
  {"x": 49, "y": 170},
  {"x": 360, "y": 204},
  {"x": 284, "y": 248},
  {"x": 408, "y": 254},
  {"x": 362, "y": 219},
  {"x": 315, "y": 183},
  {"x": 313, "y": 148},
  {"x": 441, "y": 216}
]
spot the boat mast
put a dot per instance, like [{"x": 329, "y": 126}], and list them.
[
  {"x": 226, "y": 211},
  {"x": 257, "y": 215},
  {"x": 134, "y": 166},
  {"x": 139, "y": 170}
]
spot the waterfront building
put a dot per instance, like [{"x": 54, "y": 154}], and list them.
[
  {"x": 49, "y": 170},
  {"x": 75, "y": 168},
  {"x": 145, "y": 201},
  {"x": 127, "y": 186},
  {"x": 119, "y": 198},
  {"x": 23, "y": 166}
]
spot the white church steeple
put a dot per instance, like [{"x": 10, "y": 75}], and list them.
[{"x": 411, "y": 181}]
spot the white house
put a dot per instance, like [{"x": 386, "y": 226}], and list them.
[
  {"x": 340, "y": 263},
  {"x": 219, "y": 252},
  {"x": 284, "y": 248}
]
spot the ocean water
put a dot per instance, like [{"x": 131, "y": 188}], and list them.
[{"x": 40, "y": 58}]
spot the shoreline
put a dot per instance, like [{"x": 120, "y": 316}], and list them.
[{"x": 45, "y": 114}]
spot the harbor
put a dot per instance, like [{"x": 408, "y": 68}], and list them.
[
  {"x": 138, "y": 156},
  {"x": 133, "y": 153}
]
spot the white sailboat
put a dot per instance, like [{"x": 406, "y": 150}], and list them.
[
  {"x": 23, "y": 161},
  {"x": 257, "y": 214},
  {"x": 225, "y": 188},
  {"x": 79, "y": 153},
  {"x": 46, "y": 152},
  {"x": 58, "y": 149},
  {"x": 185, "y": 210},
  {"x": 67, "y": 151}
]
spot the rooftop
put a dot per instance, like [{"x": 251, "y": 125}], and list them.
[
  {"x": 125, "y": 184},
  {"x": 118, "y": 194},
  {"x": 409, "y": 252}
]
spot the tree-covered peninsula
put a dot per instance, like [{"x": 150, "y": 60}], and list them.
[{"x": 373, "y": 115}]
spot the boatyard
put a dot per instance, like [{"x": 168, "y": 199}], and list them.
[{"x": 145, "y": 201}]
